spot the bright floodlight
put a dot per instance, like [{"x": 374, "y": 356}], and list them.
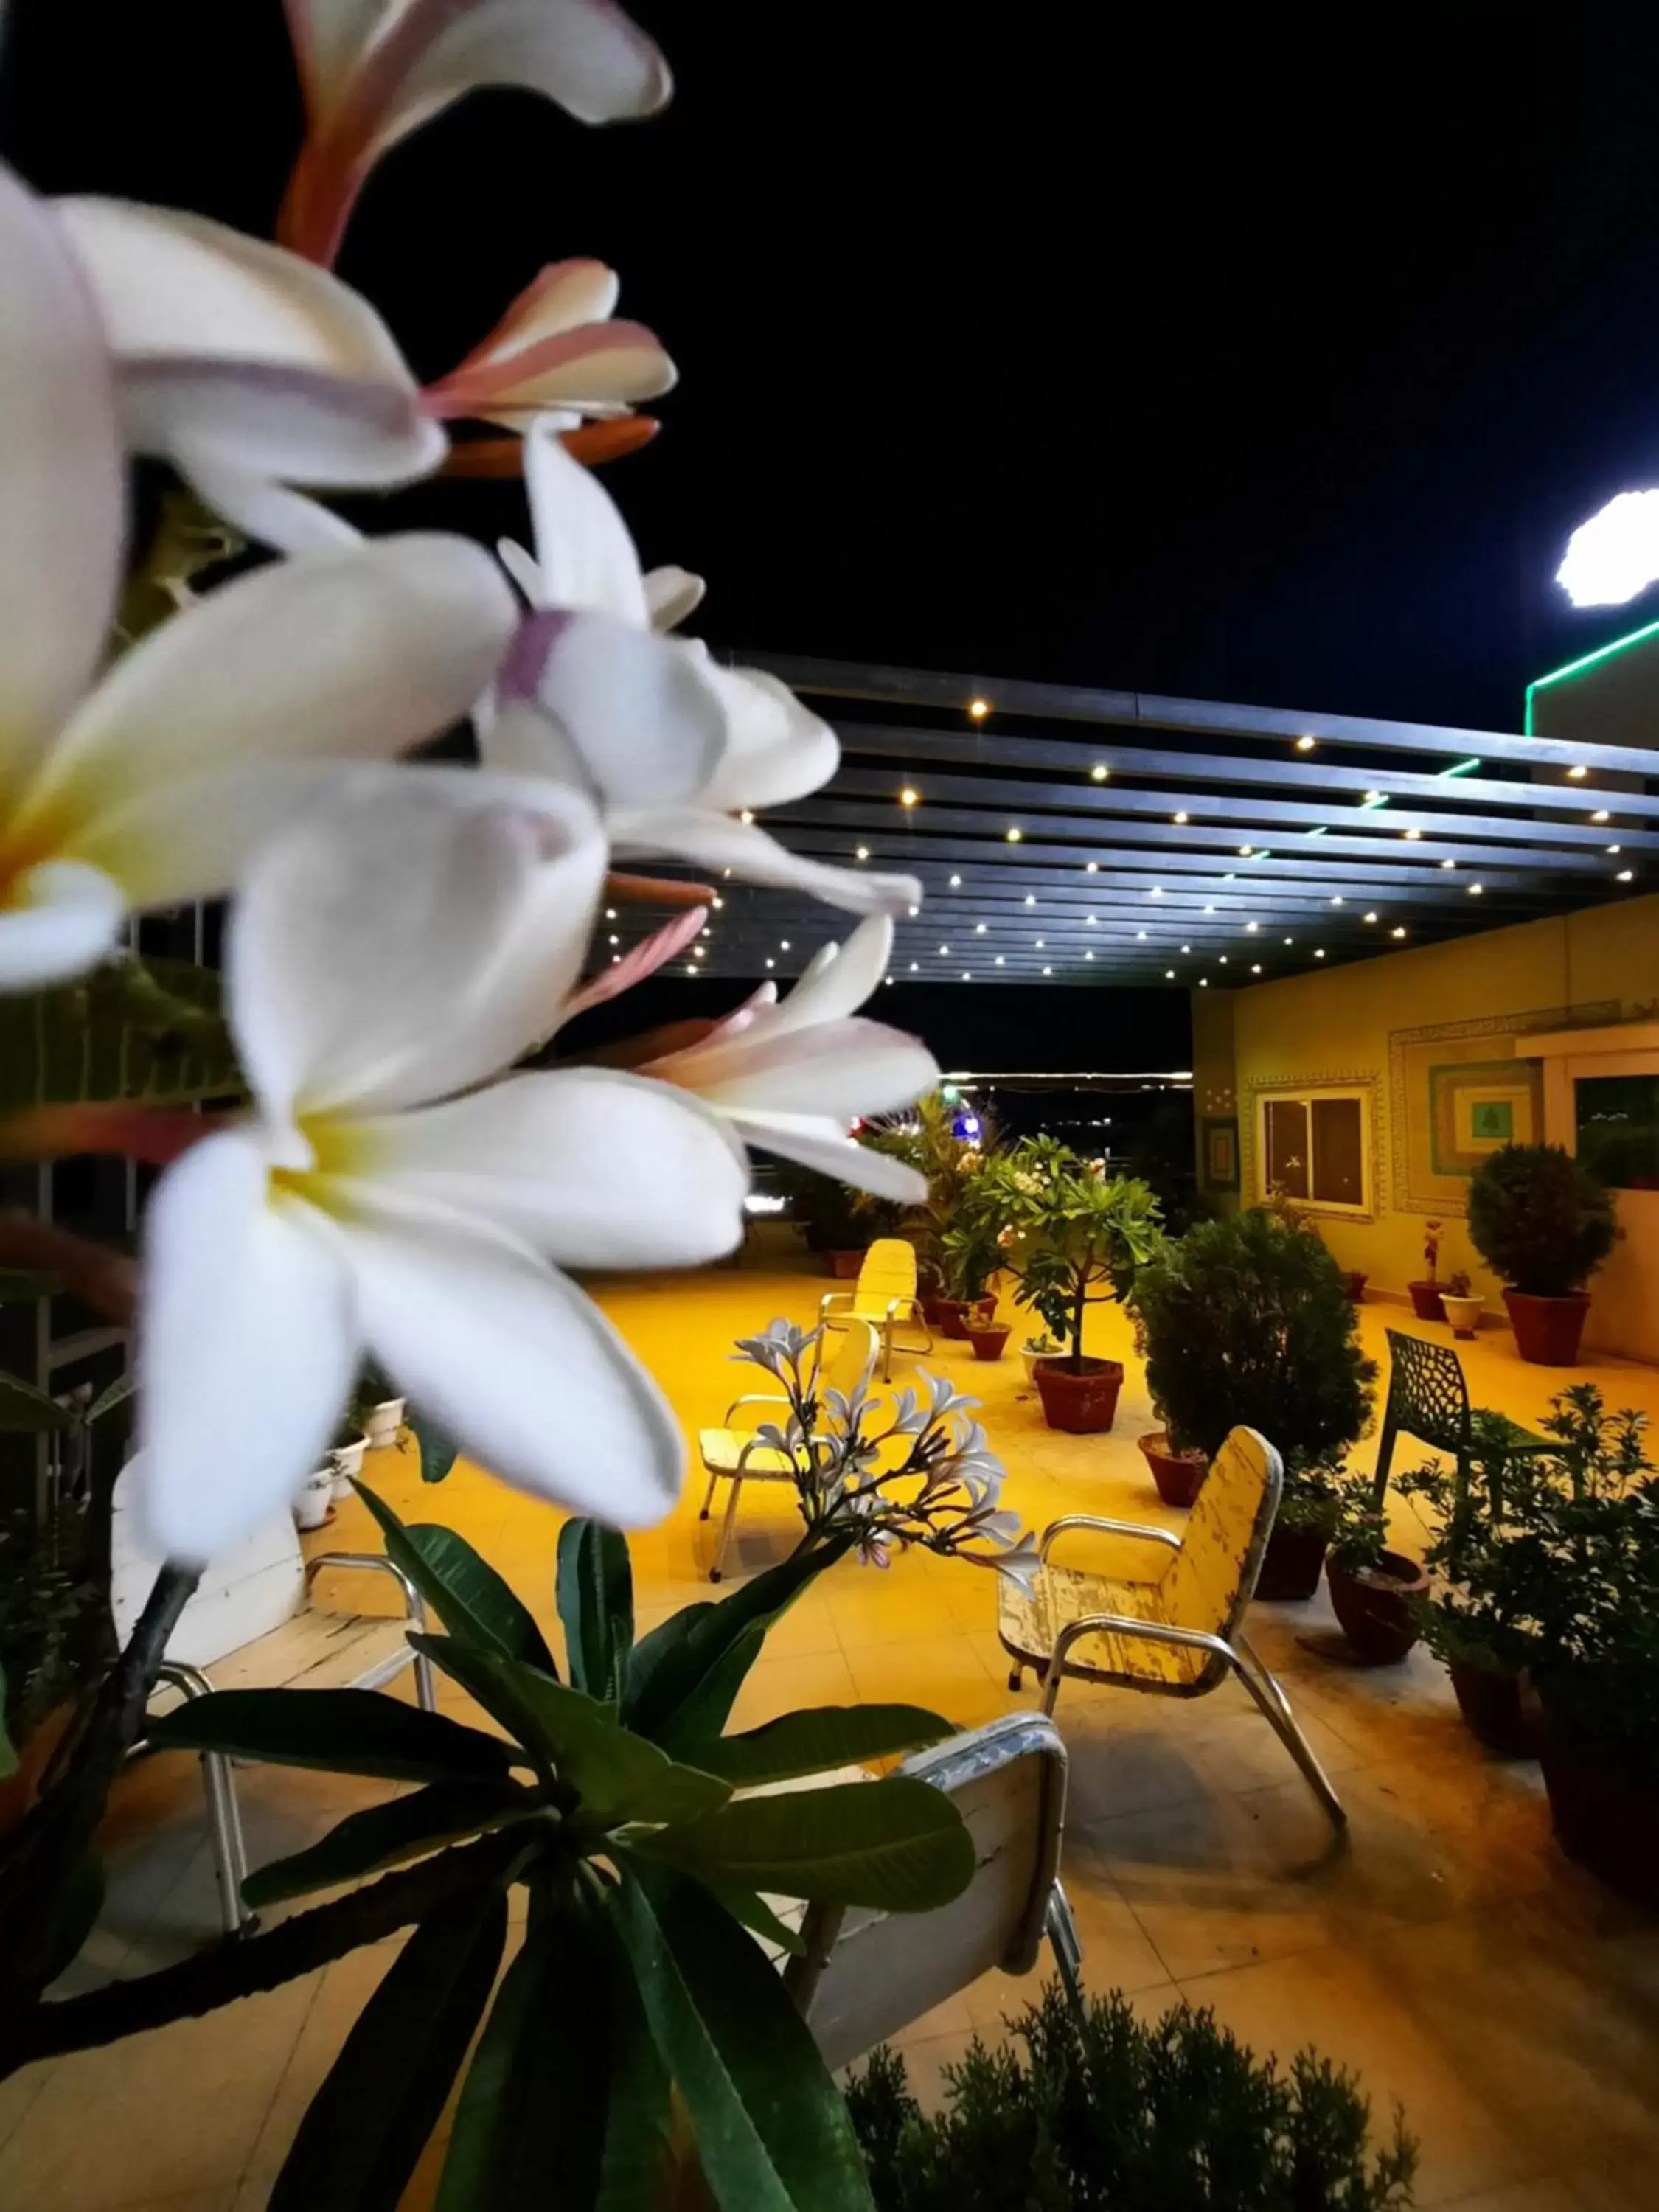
[{"x": 1615, "y": 554}]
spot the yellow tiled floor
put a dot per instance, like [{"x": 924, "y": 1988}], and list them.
[{"x": 1445, "y": 1949}]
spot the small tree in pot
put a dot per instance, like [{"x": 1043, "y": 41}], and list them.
[
  {"x": 1078, "y": 1237},
  {"x": 1543, "y": 1224},
  {"x": 1374, "y": 1590},
  {"x": 1247, "y": 1319}
]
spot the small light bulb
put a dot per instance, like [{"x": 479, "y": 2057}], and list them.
[
  {"x": 1615, "y": 848},
  {"x": 1048, "y": 971},
  {"x": 1186, "y": 948},
  {"x": 1626, "y": 875},
  {"x": 1038, "y": 942},
  {"x": 1169, "y": 974},
  {"x": 718, "y": 900},
  {"x": 1306, "y": 744},
  {"x": 1411, "y": 835},
  {"x": 1319, "y": 952},
  {"x": 1371, "y": 917},
  {"x": 1399, "y": 930},
  {"x": 1251, "y": 927},
  {"x": 862, "y": 852},
  {"x": 999, "y": 960},
  {"x": 1224, "y": 960},
  {"x": 979, "y": 929},
  {"x": 1337, "y": 900},
  {"x": 886, "y": 979},
  {"x": 611, "y": 913},
  {"x": 1088, "y": 956},
  {"x": 915, "y": 964},
  {"x": 955, "y": 883},
  {"x": 1290, "y": 941},
  {"x": 1099, "y": 772},
  {"x": 966, "y": 976},
  {"x": 913, "y": 912},
  {"x": 783, "y": 945},
  {"x": 1255, "y": 968},
  {"x": 1030, "y": 898},
  {"x": 1091, "y": 867},
  {"x": 1449, "y": 864},
  {"x": 1140, "y": 935},
  {"x": 944, "y": 952},
  {"x": 1245, "y": 851},
  {"x": 747, "y": 815},
  {"x": 1475, "y": 889},
  {"x": 1014, "y": 833},
  {"x": 1157, "y": 891},
  {"x": 1178, "y": 817},
  {"x": 979, "y": 709},
  {"x": 1203, "y": 983},
  {"x": 1577, "y": 774},
  {"x": 909, "y": 796},
  {"x": 1600, "y": 815},
  {"x": 613, "y": 941},
  {"x": 771, "y": 963},
  {"x": 616, "y": 960}
]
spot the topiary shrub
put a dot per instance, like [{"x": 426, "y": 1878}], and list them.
[
  {"x": 1542, "y": 1221},
  {"x": 1248, "y": 1320},
  {"x": 1102, "y": 2110}
]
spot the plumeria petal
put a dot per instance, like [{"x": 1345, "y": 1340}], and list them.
[
  {"x": 640, "y": 961},
  {"x": 671, "y": 594},
  {"x": 815, "y": 1141},
  {"x": 523, "y": 569},
  {"x": 839, "y": 978},
  {"x": 266, "y": 512},
  {"x": 246, "y": 1351},
  {"x": 839, "y": 1068},
  {"x": 521, "y": 1369},
  {"x": 775, "y": 749},
  {"x": 745, "y": 850},
  {"x": 62, "y": 518},
  {"x": 356, "y": 652},
  {"x": 588, "y": 1167},
  {"x": 62, "y": 918},
  {"x": 416, "y": 935},
  {"x": 583, "y": 548},
  {"x": 239, "y": 360},
  {"x": 600, "y": 369}
]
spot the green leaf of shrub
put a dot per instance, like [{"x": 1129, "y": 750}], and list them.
[
  {"x": 596, "y": 1605},
  {"x": 366, "y": 2128},
  {"x": 438, "y": 1449},
  {"x": 898, "y": 1845},
  {"x": 147, "y": 1031},
  {"x": 342, "y": 1731},
  {"x": 772, "y": 2130},
  {"x": 476, "y": 1605},
  {"x": 819, "y": 1737},
  {"x": 386, "y": 1835},
  {"x": 25, "y": 1411}
]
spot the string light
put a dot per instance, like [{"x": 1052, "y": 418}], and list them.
[
  {"x": 1577, "y": 772},
  {"x": 1256, "y": 968},
  {"x": 1099, "y": 772},
  {"x": 1091, "y": 867},
  {"x": 979, "y": 709},
  {"x": 1615, "y": 848},
  {"x": 979, "y": 929},
  {"x": 719, "y": 902},
  {"x": 1306, "y": 744},
  {"x": 861, "y": 852},
  {"x": 1030, "y": 898},
  {"x": 1600, "y": 815},
  {"x": 955, "y": 883},
  {"x": 1013, "y": 833},
  {"x": 783, "y": 945},
  {"x": 1449, "y": 864},
  {"x": 1475, "y": 889},
  {"x": 1626, "y": 875},
  {"x": 1319, "y": 952},
  {"x": 909, "y": 796},
  {"x": 1178, "y": 817},
  {"x": 1399, "y": 930},
  {"x": 1371, "y": 917},
  {"x": 1411, "y": 835},
  {"x": 611, "y": 913}
]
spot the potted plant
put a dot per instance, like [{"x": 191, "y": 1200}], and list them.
[
  {"x": 1426, "y": 1292},
  {"x": 1039, "y": 1347},
  {"x": 1462, "y": 1308},
  {"x": 949, "y": 1147},
  {"x": 1177, "y": 1475},
  {"x": 1247, "y": 1321},
  {"x": 376, "y": 1410},
  {"x": 1543, "y": 1223},
  {"x": 972, "y": 1253},
  {"x": 987, "y": 1337},
  {"x": 1078, "y": 1236},
  {"x": 1103, "y": 2105},
  {"x": 1356, "y": 1278},
  {"x": 1374, "y": 1590}
]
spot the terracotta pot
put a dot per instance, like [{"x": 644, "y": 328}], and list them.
[
  {"x": 954, "y": 1315},
  {"x": 1179, "y": 1475},
  {"x": 1463, "y": 1313},
  {"x": 1493, "y": 1709},
  {"x": 1547, "y": 1330},
  {"x": 1355, "y": 1279},
  {"x": 1080, "y": 1398},
  {"x": 1425, "y": 1300},
  {"x": 1374, "y": 1605},
  {"x": 987, "y": 1343},
  {"x": 932, "y": 1308},
  {"x": 1605, "y": 1810},
  {"x": 1291, "y": 1563},
  {"x": 844, "y": 1265}
]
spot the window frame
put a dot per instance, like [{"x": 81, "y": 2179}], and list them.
[{"x": 1287, "y": 1094}]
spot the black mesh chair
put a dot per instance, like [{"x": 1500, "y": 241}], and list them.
[{"x": 1429, "y": 1398}]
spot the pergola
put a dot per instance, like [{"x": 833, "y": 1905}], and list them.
[{"x": 1071, "y": 835}]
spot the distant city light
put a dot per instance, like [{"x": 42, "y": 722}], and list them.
[{"x": 1615, "y": 554}]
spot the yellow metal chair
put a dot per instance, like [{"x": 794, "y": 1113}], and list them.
[
  {"x": 737, "y": 1456},
  {"x": 1177, "y": 1633},
  {"x": 885, "y": 1296}
]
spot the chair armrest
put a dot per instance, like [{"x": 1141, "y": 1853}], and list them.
[
  {"x": 832, "y": 1299},
  {"x": 1150, "y": 1632},
  {"x": 1144, "y": 1529},
  {"x": 375, "y": 1563},
  {"x": 755, "y": 1398}
]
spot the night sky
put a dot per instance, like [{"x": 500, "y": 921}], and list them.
[{"x": 1271, "y": 361}]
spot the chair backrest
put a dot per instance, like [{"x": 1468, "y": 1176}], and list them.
[
  {"x": 1428, "y": 1396},
  {"x": 252, "y": 1590},
  {"x": 889, "y": 1271},
  {"x": 1209, "y": 1582},
  {"x": 854, "y": 1357},
  {"x": 866, "y": 1975}
]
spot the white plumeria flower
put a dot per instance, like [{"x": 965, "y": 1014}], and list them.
[
  {"x": 789, "y": 1077},
  {"x": 558, "y": 349},
  {"x": 386, "y": 955},
  {"x": 674, "y": 748},
  {"x": 153, "y": 787},
  {"x": 373, "y": 70}
]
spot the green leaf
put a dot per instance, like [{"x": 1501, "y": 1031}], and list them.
[
  {"x": 772, "y": 2129},
  {"x": 898, "y": 1845},
  {"x": 386, "y": 1835},
  {"x": 684, "y": 1678},
  {"x": 20, "y": 1285},
  {"x": 562, "y": 2085},
  {"x": 596, "y": 1604},
  {"x": 147, "y": 1031},
  {"x": 617, "y": 1775},
  {"x": 25, "y": 1411},
  {"x": 819, "y": 1737},
  {"x": 477, "y": 1606},
  {"x": 749, "y": 1907},
  {"x": 344, "y": 1731},
  {"x": 367, "y": 2126},
  {"x": 106, "y": 1401},
  {"x": 438, "y": 1449}
]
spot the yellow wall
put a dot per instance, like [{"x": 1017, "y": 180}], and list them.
[{"x": 1334, "y": 1026}]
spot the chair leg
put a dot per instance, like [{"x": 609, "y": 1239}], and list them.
[
  {"x": 426, "y": 1684},
  {"x": 1385, "y": 1460},
  {"x": 708, "y": 1497},
  {"x": 887, "y": 1351},
  {"x": 1275, "y": 1708},
  {"x": 1066, "y": 1944},
  {"x": 1051, "y": 1686},
  {"x": 719, "y": 1567}
]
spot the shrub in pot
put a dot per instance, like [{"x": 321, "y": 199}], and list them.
[
  {"x": 1247, "y": 1319},
  {"x": 972, "y": 1253},
  {"x": 1077, "y": 1237},
  {"x": 988, "y": 1339},
  {"x": 1426, "y": 1292},
  {"x": 1103, "y": 2108},
  {"x": 1543, "y": 1223},
  {"x": 1178, "y": 1476},
  {"x": 1462, "y": 1308},
  {"x": 925, "y": 1137},
  {"x": 1040, "y": 1346},
  {"x": 1374, "y": 1590}
]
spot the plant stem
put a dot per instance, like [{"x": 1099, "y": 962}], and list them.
[
  {"x": 43, "y": 1855},
  {"x": 250, "y": 1965}
]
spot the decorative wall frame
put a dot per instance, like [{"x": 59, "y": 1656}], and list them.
[
  {"x": 1255, "y": 1088},
  {"x": 1220, "y": 1153},
  {"x": 1459, "y": 1090}
]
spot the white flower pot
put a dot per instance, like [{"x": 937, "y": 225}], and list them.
[
  {"x": 385, "y": 1420},
  {"x": 1463, "y": 1313},
  {"x": 348, "y": 1461},
  {"x": 315, "y": 1498}
]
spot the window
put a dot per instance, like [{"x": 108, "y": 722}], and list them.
[
  {"x": 1618, "y": 1120},
  {"x": 1314, "y": 1148}
]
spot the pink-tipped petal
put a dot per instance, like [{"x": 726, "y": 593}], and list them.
[
  {"x": 643, "y": 960},
  {"x": 563, "y": 296}
]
